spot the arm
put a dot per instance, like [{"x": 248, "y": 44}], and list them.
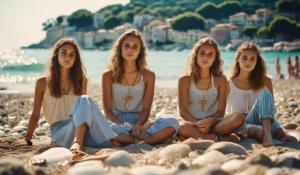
[
  {"x": 183, "y": 99},
  {"x": 149, "y": 78},
  {"x": 84, "y": 86},
  {"x": 107, "y": 97},
  {"x": 269, "y": 84},
  {"x": 37, "y": 104}
]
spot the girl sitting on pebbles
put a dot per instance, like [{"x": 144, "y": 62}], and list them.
[
  {"x": 128, "y": 89},
  {"x": 61, "y": 95},
  {"x": 250, "y": 101},
  {"x": 202, "y": 94}
]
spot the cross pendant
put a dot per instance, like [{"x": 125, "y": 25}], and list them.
[
  {"x": 127, "y": 98},
  {"x": 202, "y": 102}
]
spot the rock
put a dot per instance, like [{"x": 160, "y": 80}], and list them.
[
  {"x": 46, "y": 126},
  {"x": 91, "y": 167},
  {"x": 10, "y": 161},
  {"x": 2, "y": 132},
  {"x": 260, "y": 159},
  {"x": 233, "y": 165},
  {"x": 290, "y": 126},
  {"x": 227, "y": 147},
  {"x": 288, "y": 159},
  {"x": 152, "y": 170},
  {"x": 23, "y": 123},
  {"x": 174, "y": 151},
  {"x": 54, "y": 155},
  {"x": 295, "y": 134},
  {"x": 195, "y": 144},
  {"x": 208, "y": 170},
  {"x": 209, "y": 157},
  {"x": 19, "y": 128},
  {"x": 293, "y": 104},
  {"x": 120, "y": 158},
  {"x": 138, "y": 148},
  {"x": 253, "y": 170},
  {"x": 274, "y": 171}
]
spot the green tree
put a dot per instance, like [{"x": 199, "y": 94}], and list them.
[
  {"x": 264, "y": 32},
  {"x": 208, "y": 10},
  {"x": 283, "y": 25},
  {"x": 59, "y": 20},
  {"x": 126, "y": 16},
  {"x": 250, "y": 31},
  {"x": 112, "y": 22},
  {"x": 81, "y": 19},
  {"x": 228, "y": 8},
  {"x": 289, "y": 6},
  {"x": 186, "y": 21}
]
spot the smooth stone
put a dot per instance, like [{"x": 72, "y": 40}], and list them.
[
  {"x": 209, "y": 157},
  {"x": 227, "y": 148},
  {"x": 2, "y": 132},
  {"x": 288, "y": 159},
  {"x": 254, "y": 170},
  {"x": 91, "y": 167},
  {"x": 195, "y": 144},
  {"x": 260, "y": 159},
  {"x": 297, "y": 173},
  {"x": 208, "y": 170},
  {"x": 290, "y": 126},
  {"x": 54, "y": 155},
  {"x": 152, "y": 170},
  {"x": 174, "y": 151},
  {"x": 19, "y": 128},
  {"x": 23, "y": 123},
  {"x": 138, "y": 148},
  {"x": 46, "y": 126},
  {"x": 293, "y": 104},
  {"x": 295, "y": 134},
  {"x": 233, "y": 165},
  {"x": 120, "y": 158},
  {"x": 10, "y": 161},
  {"x": 274, "y": 171},
  {"x": 15, "y": 134}
]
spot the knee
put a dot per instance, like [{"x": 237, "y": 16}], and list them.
[
  {"x": 238, "y": 119},
  {"x": 184, "y": 130},
  {"x": 172, "y": 123}
]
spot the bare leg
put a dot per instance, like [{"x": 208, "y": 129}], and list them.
[
  {"x": 78, "y": 140},
  {"x": 230, "y": 138},
  {"x": 267, "y": 137},
  {"x": 123, "y": 140},
  {"x": 229, "y": 124},
  {"x": 281, "y": 135},
  {"x": 161, "y": 136},
  {"x": 187, "y": 130},
  {"x": 255, "y": 133}
]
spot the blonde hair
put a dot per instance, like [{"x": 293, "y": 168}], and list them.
[
  {"x": 258, "y": 74},
  {"x": 194, "y": 70},
  {"x": 116, "y": 64}
]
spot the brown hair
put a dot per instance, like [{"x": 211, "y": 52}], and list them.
[
  {"x": 116, "y": 65},
  {"x": 258, "y": 74},
  {"x": 194, "y": 70},
  {"x": 77, "y": 72}
]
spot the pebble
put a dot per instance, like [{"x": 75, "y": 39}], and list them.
[
  {"x": 152, "y": 170},
  {"x": 54, "y": 155},
  {"x": 177, "y": 150},
  {"x": 211, "y": 157},
  {"x": 91, "y": 167},
  {"x": 195, "y": 144},
  {"x": 227, "y": 148},
  {"x": 233, "y": 165},
  {"x": 120, "y": 158}
]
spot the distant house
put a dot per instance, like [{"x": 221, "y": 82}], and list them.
[
  {"x": 263, "y": 16},
  {"x": 140, "y": 20},
  {"x": 221, "y": 33},
  {"x": 148, "y": 29},
  {"x": 238, "y": 19},
  {"x": 57, "y": 32},
  {"x": 98, "y": 20},
  {"x": 88, "y": 41},
  {"x": 119, "y": 30},
  {"x": 160, "y": 34},
  {"x": 209, "y": 23}
]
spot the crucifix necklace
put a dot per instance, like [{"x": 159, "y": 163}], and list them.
[
  {"x": 203, "y": 100},
  {"x": 128, "y": 96}
]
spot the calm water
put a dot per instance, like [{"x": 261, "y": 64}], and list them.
[{"x": 22, "y": 67}]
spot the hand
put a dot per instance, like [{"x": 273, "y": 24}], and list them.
[
  {"x": 136, "y": 131},
  {"x": 204, "y": 125}
]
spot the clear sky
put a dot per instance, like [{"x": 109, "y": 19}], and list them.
[{"x": 21, "y": 20}]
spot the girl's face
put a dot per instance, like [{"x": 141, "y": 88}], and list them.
[
  {"x": 66, "y": 56},
  {"x": 131, "y": 47},
  {"x": 206, "y": 56},
  {"x": 247, "y": 60}
]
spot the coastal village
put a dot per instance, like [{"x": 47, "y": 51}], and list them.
[{"x": 160, "y": 35}]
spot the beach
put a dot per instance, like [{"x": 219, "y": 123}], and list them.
[{"x": 191, "y": 156}]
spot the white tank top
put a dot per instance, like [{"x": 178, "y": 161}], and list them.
[
  {"x": 57, "y": 109},
  {"x": 119, "y": 92},
  {"x": 196, "y": 94},
  {"x": 239, "y": 100}
]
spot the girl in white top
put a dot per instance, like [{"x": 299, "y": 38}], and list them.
[
  {"x": 202, "y": 92},
  {"x": 250, "y": 99}
]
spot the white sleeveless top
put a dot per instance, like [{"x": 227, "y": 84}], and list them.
[
  {"x": 239, "y": 100},
  {"x": 119, "y": 92},
  {"x": 196, "y": 94},
  {"x": 57, "y": 109}
]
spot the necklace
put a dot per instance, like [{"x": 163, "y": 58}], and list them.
[
  {"x": 128, "y": 96},
  {"x": 203, "y": 100}
]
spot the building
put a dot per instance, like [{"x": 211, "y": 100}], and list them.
[
  {"x": 238, "y": 19},
  {"x": 221, "y": 33},
  {"x": 263, "y": 17},
  {"x": 160, "y": 34},
  {"x": 140, "y": 20},
  {"x": 98, "y": 20}
]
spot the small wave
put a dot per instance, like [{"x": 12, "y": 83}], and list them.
[{"x": 36, "y": 67}]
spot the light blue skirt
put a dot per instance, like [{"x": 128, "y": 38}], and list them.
[
  {"x": 84, "y": 111},
  {"x": 129, "y": 119}
]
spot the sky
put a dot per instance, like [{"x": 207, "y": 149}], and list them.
[{"x": 21, "y": 20}]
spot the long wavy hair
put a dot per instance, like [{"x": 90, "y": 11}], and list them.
[
  {"x": 193, "y": 69},
  {"x": 77, "y": 72},
  {"x": 116, "y": 62},
  {"x": 258, "y": 74}
]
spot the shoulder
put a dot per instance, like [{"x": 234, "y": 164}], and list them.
[
  {"x": 107, "y": 75},
  {"x": 221, "y": 79},
  {"x": 148, "y": 74},
  {"x": 41, "y": 82},
  {"x": 268, "y": 82},
  {"x": 185, "y": 79}
]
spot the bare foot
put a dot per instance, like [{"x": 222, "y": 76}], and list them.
[
  {"x": 255, "y": 133},
  {"x": 281, "y": 135},
  {"x": 230, "y": 138},
  {"x": 89, "y": 157},
  {"x": 267, "y": 140}
]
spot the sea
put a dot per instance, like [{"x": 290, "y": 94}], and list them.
[{"x": 20, "y": 68}]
